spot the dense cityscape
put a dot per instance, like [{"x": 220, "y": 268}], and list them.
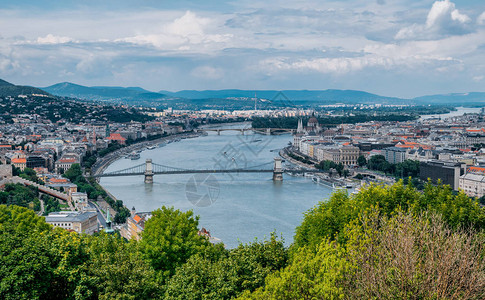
[{"x": 242, "y": 150}]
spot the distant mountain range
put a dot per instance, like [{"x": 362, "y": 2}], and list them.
[
  {"x": 323, "y": 96},
  {"x": 455, "y": 98},
  {"x": 8, "y": 89},
  {"x": 232, "y": 98},
  {"x": 103, "y": 93}
]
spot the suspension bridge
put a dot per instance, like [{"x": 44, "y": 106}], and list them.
[{"x": 149, "y": 169}]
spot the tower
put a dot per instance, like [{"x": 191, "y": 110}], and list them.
[
  {"x": 108, "y": 228},
  {"x": 148, "y": 171},
  {"x": 300, "y": 126},
  {"x": 278, "y": 170}
]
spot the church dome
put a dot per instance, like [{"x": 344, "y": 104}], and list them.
[{"x": 312, "y": 122}]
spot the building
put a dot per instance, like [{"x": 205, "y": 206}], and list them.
[
  {"x": 20, "y": 163},
  {"x": 65, "y": 164},
  {"x": 80, "y": 222},
  {"x": 447, "y": 171},
  {"x": 346, "y": 155},
  {"x": 395, "y": 155},
  {"x": 5, "y": 171},
  {"x": 116, "y": 137},
  {"x": 473, "y": 182},
  {"x": 135, "y": 226},
  {"x": 80, "y": 200}
]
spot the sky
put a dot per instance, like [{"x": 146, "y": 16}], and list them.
[{"x": 402, "y": 48}]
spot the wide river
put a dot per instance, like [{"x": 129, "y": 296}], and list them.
[{"x": 233, "y": 207}]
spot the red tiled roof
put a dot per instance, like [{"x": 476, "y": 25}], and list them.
[
  {"x": 116, "y": 137},
  {"x": 19, "y": 161},
  {"x": 476, "y": 169}
]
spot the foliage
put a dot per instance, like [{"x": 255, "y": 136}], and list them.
[
  {"x": 113, "y": 146},
  {"x": 292, "y": 122},
  {"x": 303, "y": 159},
  {"x": 361, "y": 161},
  {"x": 94, "y": 190},
  {"x": 243, "y": 268},
  {"x": 413, "y": 257},
  {"x": 408, "y": 168},
  {"x": 405, "y": 256},
  {"x": 311, "y": 275},
  {"x": 328, "y": 219},
  {"x": 170, "y": 238},
  {"x": 50, "y": 204},
  {"x": 39, "y": 262},
  {"x": 18, "y": 194}
]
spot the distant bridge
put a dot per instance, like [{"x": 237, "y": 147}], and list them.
[
  {"x": 149, "y": 169},
  {"x": 267, "y": 131}
]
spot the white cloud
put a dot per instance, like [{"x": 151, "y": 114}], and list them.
[
  {"x": 182, "y": 34},
  {"x": 208, "y": 73},
  {"x": 51, "y": 39},
  {"x": 443, "y": 20},
  {"x": 481, "y": 19},
  {"x": 478, "y": 78}
]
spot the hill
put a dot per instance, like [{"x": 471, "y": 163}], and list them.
[
  {"x": 8, "y": 89},
  {"x": 454, "y": 98},
  {"x": 103, "y": 93},
  {"x": 324, "y": 96}
]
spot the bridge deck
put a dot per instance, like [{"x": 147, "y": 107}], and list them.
[{"x": 206, "y": 172}]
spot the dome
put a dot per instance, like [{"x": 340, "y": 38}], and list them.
[{"x": 312, "y": 122}]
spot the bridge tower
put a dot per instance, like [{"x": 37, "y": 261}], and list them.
[
  {"x": 148, "y": 171},
  {"x": 268, "y": 131},
  {"x": 277, "y": 170}
]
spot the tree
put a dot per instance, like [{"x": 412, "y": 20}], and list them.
[
  {"x": 311, "y": 275},
  {"x": 118, "y": 270},
  {"x": 243, "y": 268},
  {"x": 73, "y": 172},
  {"x": 413, "y": 257},
  {"x": 361, "y": 161},
  {"x": 328, "y": 219},
  {"x": 170, "y": 238}
]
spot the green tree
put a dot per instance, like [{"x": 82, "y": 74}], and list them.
[
  {"x": 73, "y": 172},
  {"x": 243, "y": 268},
  {"x": 170, "y": 238},
  {"x": 328, "y": 219},
  {"x": 361, "y": 161},
  {"x": 312, "y": 274}
]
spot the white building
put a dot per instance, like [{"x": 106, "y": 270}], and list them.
[
  {"x": 80, "y": 222},
  {"x": 473, "y": 182}
]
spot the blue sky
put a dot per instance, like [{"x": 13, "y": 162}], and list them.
[{"x": 390, "y": 47}]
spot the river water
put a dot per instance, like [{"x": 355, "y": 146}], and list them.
[
  {"x": 233, "y": 207},
  {"x": 460, "y": 111}
]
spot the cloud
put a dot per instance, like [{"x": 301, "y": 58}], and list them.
[
  {"x": 478, "y": 78},
  {"x": 51, "y": 39},
  {"x": 443, "y": 20},
  {"x": 181, "y": 34},
  {"x": 481, "y": 19},
  {"x": 207, "y": 72}
]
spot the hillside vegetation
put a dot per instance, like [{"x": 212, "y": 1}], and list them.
[{"x": 386, "y": 242}]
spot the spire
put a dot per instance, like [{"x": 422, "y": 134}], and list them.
[
  {"x": 108, "y": 228},
  {"x": 300, "y": 126}
]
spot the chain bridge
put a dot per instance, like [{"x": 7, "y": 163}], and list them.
[{"x": 149, "y": 169}]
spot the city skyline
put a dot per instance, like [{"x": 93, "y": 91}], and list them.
[{"x": 392, "y": 48}]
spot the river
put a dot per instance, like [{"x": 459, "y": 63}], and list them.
[
  {"x": 233, "y": 207},
  {"x": 460, "y": 111}
]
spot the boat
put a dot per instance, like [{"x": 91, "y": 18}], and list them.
[
  {"x": 134, "y": 156},
  {"x": 151, "y": 147}
]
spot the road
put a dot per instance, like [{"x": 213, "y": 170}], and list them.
[{"x": 101, "y": 218}]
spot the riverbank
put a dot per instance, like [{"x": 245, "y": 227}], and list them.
[
  {"x": 323, "y": 179},
  {"x": 104, "y": 162}
]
